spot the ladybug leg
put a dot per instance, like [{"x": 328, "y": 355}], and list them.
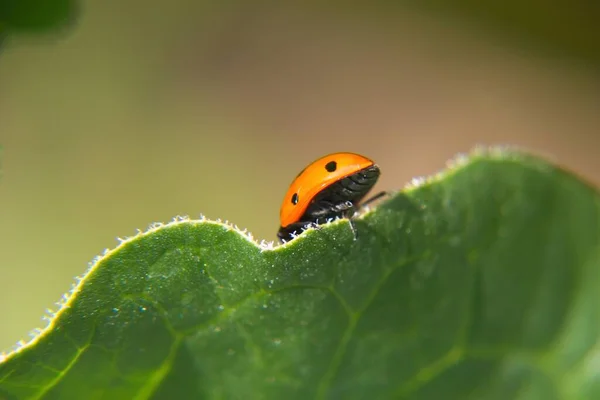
[
  {"x": 374, "y": 198},
  {"x": 303, "y": 226},
  {"x": 345, "y": 206},
  {"x": 353, "y": 229},
  {"x": 349, "y": 209},
  {"x": 313, "y": 225},
  {"x": 295, "y": 229},
  {"x": 352, "y": 210}
]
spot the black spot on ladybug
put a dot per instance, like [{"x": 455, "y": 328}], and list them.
[
  {"x": 295, "y": 198},
  {"x": 331, "y": 166}
]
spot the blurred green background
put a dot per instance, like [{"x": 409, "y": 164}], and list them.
[{"x": 140, "y": 111}]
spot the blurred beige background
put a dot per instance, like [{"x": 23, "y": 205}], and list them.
[{"x": 142, "y": 113}]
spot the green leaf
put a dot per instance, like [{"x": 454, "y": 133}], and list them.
[
  {"x": 36, "y": 15},
  {"x": 480, "y": 283}
]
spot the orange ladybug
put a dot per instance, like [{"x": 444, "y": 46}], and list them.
[{"x": 328, "y": 188}]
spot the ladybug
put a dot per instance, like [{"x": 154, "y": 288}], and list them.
[{"x": 329, "y": 188}]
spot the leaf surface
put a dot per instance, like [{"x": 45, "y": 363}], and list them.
[{"x": 480, "y": 283}]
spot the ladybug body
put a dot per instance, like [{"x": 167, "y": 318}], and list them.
[{"x": 329, "y": 188}]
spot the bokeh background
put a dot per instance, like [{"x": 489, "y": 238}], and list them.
[{"x": 142, "y": 110}]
